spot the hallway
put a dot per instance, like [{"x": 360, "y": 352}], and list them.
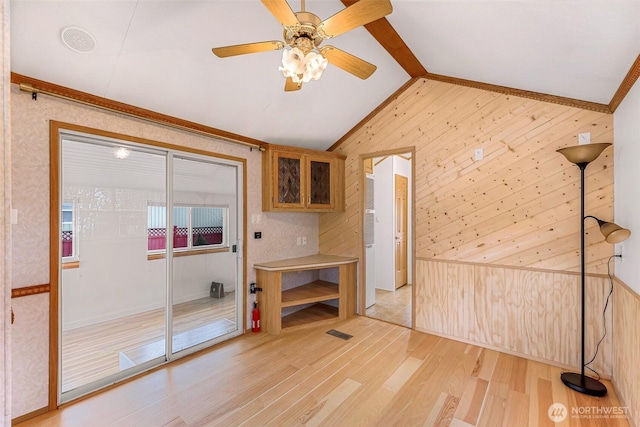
[{"x": 394, "y": 307}]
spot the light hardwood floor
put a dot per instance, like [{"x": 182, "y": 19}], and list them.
[
  {"x": 93, "y": 352},
  {"x": 392, "y": 306},
  {"x": 385, "y": 375}
]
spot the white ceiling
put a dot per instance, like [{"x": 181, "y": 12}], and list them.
[{"x": 157, "y": 55}]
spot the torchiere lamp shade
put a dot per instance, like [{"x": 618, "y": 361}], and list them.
[{"x": 583, "y": 153}]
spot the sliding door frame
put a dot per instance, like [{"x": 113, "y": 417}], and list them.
[{"x": 56, "y": 129}]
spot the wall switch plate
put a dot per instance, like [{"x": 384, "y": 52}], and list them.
[
  {"x": 257, "y": 235},
  {"x": 584, "y": 138},
  {"x": 14, "y": 216},
  {"x": 298, "y": 240},
  {"x": 479, "y": 153}
]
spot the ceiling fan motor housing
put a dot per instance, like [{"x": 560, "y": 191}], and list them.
[{"x": 305, "y": 35}]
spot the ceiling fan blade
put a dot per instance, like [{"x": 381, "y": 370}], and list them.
[
  {"x": 349, "y": 63},
  {"x": 360, "y": 13},
  {"x": 243, "y": 49},
  {"x": 290, "y": 86},
  {"x": 282, "y": 11}
]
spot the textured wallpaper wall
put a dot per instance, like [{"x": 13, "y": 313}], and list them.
[{"x": 30, "y": 190}]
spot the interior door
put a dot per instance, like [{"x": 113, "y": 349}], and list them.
[{"x": 401, "y": 205}]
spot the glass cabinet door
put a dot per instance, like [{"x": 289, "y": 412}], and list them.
[
  {"x": 288, "y": 181},
  {"x": 319, "y": 183}
]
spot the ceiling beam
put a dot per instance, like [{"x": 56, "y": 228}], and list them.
[
  {"x": 389, "y": 39},
  {"x": 36, "y": 86},
  {"x": 626, "y": 85}
]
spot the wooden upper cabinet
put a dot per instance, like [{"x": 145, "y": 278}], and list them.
[{"x": 300, "y": 180}]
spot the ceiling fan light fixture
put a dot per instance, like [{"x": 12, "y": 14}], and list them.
[
  {"x": 303, "y": 32},
  {"x": 300, "y": 67}
]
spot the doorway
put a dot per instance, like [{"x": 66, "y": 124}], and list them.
[
  {"x": 388, "y": 237},
  {"x": 147, "y": 270}
]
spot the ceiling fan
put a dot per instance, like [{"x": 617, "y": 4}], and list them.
[{"x": 303, "y": 59}]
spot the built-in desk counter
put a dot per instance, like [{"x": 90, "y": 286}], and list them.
[{"x": 298, "y": 292}]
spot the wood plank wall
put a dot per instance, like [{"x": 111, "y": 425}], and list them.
[
  {"x": 626, "y": 348},
  {"x": 519, "y": 207},
  {"x": 521, "y": 311}
]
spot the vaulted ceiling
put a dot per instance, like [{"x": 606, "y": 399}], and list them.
[{"x": 156, "y": 56}]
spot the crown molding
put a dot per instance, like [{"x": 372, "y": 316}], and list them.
[
  {"x": 626, "y": 85},
  {"x": 36, "y": 86}
]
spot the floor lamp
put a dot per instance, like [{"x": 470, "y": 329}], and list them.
[{"x": 582, "y": 155}]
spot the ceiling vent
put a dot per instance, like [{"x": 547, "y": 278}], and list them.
[{"x": 78, "y": 39}]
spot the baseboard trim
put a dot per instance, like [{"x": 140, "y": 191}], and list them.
[{"x": 33, "y": 414}]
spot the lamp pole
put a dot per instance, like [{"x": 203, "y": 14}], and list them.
[
  {"x": 581, "y": 382},
  {"x": 582, "y": 167},
  {"x": 581, "y": 156}
]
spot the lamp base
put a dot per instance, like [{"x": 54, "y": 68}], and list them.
[{"x": 583, "y": 384}]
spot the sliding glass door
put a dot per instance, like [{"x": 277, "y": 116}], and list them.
[
  {"x": 148, "y": 270},
  {"x": 205, "y": 212}
]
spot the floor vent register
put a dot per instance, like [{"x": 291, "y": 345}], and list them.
[{"x": 339, "y": 334}]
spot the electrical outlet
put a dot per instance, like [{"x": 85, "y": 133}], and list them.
[
  {"x": 304, "y": 240},
  {"x": 584, "y": 138},
  {"x": 619, "y": 252},
  {"x": 479, "y": 153}
]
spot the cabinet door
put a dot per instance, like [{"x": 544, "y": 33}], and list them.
[
  {"x": 320, "y": 187},
  {"x": 288, "y": 179}
]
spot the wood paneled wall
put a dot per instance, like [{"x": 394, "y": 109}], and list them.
[
  {"x": 534, "y": 313},
  {"x": 626, "y": 348},
  {"x": 520, "y": 206},
  {"x": 517, "y": 208}
]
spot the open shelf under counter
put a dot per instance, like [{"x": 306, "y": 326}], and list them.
[
  {"x": 314, "y": 279},
  {"x": 316, "y": 291},
  {"x": 313, "y": 314}
]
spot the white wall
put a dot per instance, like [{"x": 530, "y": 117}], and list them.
[
  {"x": 383, "y": 227},
  {"x": 626, "y": 121}
]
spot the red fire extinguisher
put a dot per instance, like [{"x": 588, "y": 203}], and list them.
[{"x": 255, "y": 318}]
